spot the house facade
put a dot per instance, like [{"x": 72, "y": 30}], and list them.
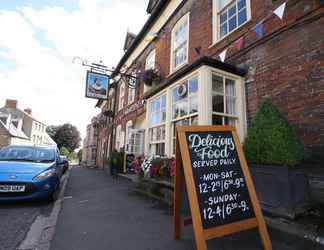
[
  {"x": 211, "y": 62},
  {"x": 90, "y": 143},
  {"x": 19, "y": 127}
]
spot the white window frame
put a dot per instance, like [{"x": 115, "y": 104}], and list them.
[
  {"x": 121, "y": 96},
  {"x": 180, "y": 22},
  {"x": 216, "y": 19},
  {"x": 158, "y": 125},
  {"x": 225, "y": 114},
  {"x": 150, "y": 60}
]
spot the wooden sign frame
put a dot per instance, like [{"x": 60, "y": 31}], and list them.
[{"x": 184, "y": 170}]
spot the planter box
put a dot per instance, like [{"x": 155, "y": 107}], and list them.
[{"x": 281, "y": 190}]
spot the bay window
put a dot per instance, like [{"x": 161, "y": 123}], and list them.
[
  {"x": 229, "y": 15},
  {"x": 157, "y": 115},
  {"x": 179, "y": 43}
]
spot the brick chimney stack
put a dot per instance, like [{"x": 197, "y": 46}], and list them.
[
  {"x": 28, "y": 111},
  {"x": 11, "y": 103}
]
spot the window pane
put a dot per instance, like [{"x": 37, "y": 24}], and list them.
[
  {"x": 223, "y": 29},
  {"x": 232, "y": 24},
  {"x": 242, "y": 17},
  {"x": 180, "y": 55},
  {"x": 230, "y": 105},
  {"x": 223, "y": 17},
  {"x": 193, "y": 104},
  {"x": 193, "y": 85},
  {"x": 232, "y": 11},
  {"x": 218, "y": 85},
  {"x": 218, "y": 103},
  {"x": 230, "y": 87},
  {"x": 241, "y": 4},
  {"x": 217, "y": 120},
  {"x": 163, "y": 101}
]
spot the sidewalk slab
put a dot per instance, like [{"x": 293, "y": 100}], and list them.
[{"x": 103, "y": 213}]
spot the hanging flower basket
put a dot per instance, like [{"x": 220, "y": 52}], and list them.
[{"x": 150, "y": 76}]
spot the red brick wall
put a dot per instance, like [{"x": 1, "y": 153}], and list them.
[{"x": 287, "y": 64}]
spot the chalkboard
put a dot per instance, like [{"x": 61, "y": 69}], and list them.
[
  {"x": 220, "y": 189},
  {"x": 219, "y": 181}
]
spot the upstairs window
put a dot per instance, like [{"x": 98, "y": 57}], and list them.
[
  {"x": 180, "y": 43},
  {"x": 150, "y": 61},
  {"x": 121, "y": 96},
  {"x": 230, "y": 15}
]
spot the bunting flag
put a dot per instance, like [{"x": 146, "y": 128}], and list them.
[
  {"x": 222, "y": 55},
  {"x": 258, "y": 29},
  {"x": 280, "y": 11},
  {"x": 239, "y": 43}
]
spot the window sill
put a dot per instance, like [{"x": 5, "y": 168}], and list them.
[
  {"x": 174, "y": 70},
  {"x": 238, "y": 29}
]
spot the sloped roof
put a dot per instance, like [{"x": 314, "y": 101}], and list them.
[{"x": 14, "y": 132}]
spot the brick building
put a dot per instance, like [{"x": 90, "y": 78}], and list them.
[{"x": 181, "y": 79}]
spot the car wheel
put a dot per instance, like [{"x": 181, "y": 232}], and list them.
[{"x": 54, "y": 196}]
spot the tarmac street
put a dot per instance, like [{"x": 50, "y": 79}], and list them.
[{"x": 99, "y": 212}]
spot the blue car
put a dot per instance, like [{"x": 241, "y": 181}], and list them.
[{"x": 29, "y": 172}]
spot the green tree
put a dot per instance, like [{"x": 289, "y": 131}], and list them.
[
  {"x": 51, "y": 130},
  {"x": 65, "y": 135},
  {"x": 271, "y": 139},
  {"x": 64, "y": 151}
]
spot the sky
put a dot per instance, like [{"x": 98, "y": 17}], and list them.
[{"x": 40, "y": 38}]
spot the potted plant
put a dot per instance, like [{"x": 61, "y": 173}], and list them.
[{"x": 275, "y": 154}]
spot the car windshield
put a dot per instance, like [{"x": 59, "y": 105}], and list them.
[{"x": 33, "y": 154}]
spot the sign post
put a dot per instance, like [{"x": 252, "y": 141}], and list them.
[{"x": 221, "y": 194}]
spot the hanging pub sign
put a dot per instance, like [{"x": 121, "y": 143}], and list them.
[
  {"x": 97, "y": 85},
  {"x": 220, "y": 190}
]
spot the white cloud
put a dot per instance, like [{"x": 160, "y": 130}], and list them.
[{"x": 42, "y": 42}]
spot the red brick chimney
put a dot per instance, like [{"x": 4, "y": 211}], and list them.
[
  {"x": 28, "y": 111},
  {"x": 11, "y": 103}
]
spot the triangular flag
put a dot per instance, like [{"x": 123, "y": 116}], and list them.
[
  {"x": 239, "y": 42},
  {"x": 280, "y": 10},
  {"x": 259, "y": 30},
  {"x": 222, "y": 55}
]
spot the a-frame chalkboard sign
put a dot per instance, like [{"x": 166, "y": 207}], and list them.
[{"x": 221, "y": 194}]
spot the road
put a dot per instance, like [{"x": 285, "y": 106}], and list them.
[
  {"x": 101, "y": 213},
  {"x": 16, "y": 219}
]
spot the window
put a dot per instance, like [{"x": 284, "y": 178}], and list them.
[
  {"x": 224, "y": 101},
  {"x": 150, "y": 61},
  {"x": 179, "y": 43},
  {"x": 15, "y": 123},
  {"x": 136, "y": 141},
  {"x": 121, "y": 96},
  {"x": 157, "y": 115},
  {"x": 230, "y": 14},
  {"x": 184, "y": 105},
  {"x": 3, "y": 119},
  {"x": 131, "y": 95},
  {"x": 120, "y": 137}
]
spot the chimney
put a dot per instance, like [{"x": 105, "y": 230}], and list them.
[
  {"x": 11, "y": 103},
  {"x": 28, "y": 111}
]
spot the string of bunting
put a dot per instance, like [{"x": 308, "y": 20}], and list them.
[{"x": 257, "y": 29}]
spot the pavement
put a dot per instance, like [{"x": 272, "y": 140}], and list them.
[
  {"x": 16, "y": 220},
  {"x": 99, "y": 212}
]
